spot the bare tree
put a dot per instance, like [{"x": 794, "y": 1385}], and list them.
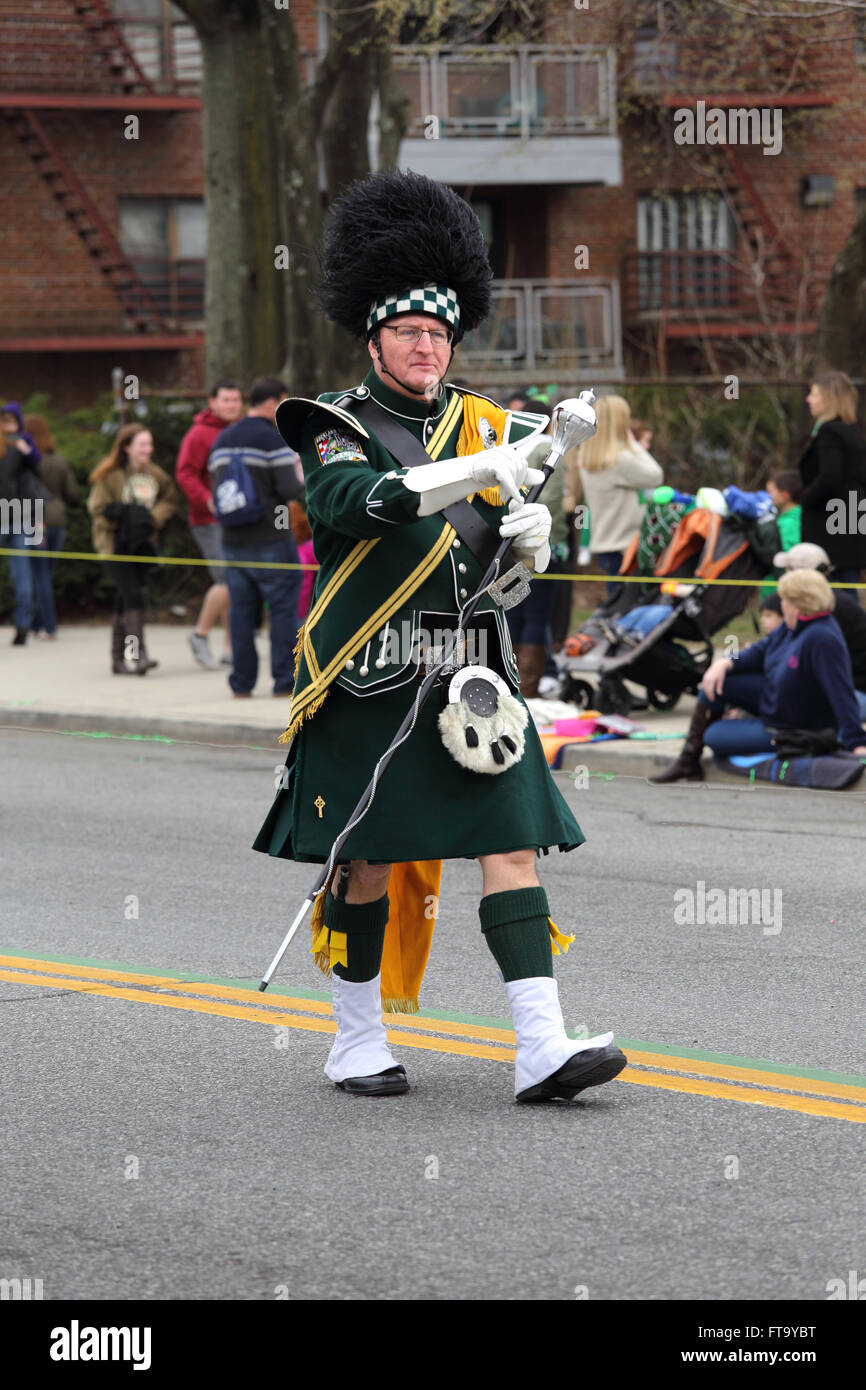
[
  {"x": 283, "y": 134},
  {"x": 262, "y": 121},
  {"x": 841, "y": 341}
]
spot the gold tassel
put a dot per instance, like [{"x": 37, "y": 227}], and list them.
[
  {"x": 400, "y": 1006},
  {"x": 319, "y": 949},
  {"x": 559, "y": 942},
  {"x": 306, "y": 713},
  {"x": 299, "y": 647}
]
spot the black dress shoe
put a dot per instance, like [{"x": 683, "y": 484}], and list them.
[
  {"x": 391, "y": 1082},
  {"x": 592, "y": 1067}
]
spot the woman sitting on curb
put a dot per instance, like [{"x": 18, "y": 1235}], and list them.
[{"x": 797, "y": 678}]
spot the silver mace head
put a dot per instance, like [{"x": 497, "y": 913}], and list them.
[{"x": 573, "y": 420}]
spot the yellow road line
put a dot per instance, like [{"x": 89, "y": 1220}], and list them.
[
  {"x": 686, "y": 1085},
  {"x": 214, "y": 991},
  {"x": 272, "y": 1016},
  {"x": 660, "y": 1060},
  {"x": 828, "y": 1108},
  {"x": 316, "y": 1006}
]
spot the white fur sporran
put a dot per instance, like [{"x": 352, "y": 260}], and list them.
[{"x": 482, "y": 724}]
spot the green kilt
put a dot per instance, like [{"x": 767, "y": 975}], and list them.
[{"x": 426, "y": 805}]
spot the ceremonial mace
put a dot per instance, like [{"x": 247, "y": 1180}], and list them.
[{"x": 573, "y": 421}]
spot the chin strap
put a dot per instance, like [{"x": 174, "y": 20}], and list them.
[{"x": 374, "y": 338}]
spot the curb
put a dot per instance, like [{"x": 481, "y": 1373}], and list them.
[
  {"x": 627, "y": 761},
  {"x": 599, "y": 758},
  {"x": 174, "y": 730}
]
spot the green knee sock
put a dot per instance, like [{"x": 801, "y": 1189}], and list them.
[
  {"x": 364, "y": 927},
  {"x": 515, "y": 928}
]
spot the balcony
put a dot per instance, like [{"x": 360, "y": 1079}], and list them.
[
  {"x": 515, "y": 92},
  {"x": 505, "y": 114},
  {"x": 712, "y": 293},
  {"x": 547, "y": 324},
  {"x": 510, "y": 114}
]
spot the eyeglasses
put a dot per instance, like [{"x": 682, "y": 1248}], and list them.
[{"x": 439, "y": 337}]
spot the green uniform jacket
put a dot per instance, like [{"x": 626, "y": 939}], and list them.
[{"x": 388, "y": 580}]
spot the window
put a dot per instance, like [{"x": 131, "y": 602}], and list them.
[
  {"x": 166, "y": 241},
  {"x": 490, "y": 212},
  {"x": 685, "y": 244},
  {"x": 161, "y": 40},
  {"x": 860, "y": 35}
]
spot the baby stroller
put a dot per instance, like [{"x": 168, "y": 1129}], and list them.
[{"x": 640, "y": 636}]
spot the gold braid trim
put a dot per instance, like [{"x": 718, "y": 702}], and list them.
[{"x": 309, "y": 704}]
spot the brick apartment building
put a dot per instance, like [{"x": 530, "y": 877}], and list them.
[{"x": 562, "y": 142}]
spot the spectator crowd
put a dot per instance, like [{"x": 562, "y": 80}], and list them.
[{"x": 244, "y": 492}]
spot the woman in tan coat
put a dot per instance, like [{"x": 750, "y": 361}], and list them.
[
  {"x": 130, "y": 502},
  {"x": 612, "y": 469}
]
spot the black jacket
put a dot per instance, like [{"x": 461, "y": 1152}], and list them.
[
  {"x": 852, "y": 620},
  {"x": 19, "y": 475},
  {"x": 834, "y": 466}
]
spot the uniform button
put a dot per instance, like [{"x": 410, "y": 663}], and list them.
[
  {"x": 455, "y": 545},
  {"x": 350, "y": 665},
  {"x": 463, "y": 593},
  {"x": 462, "y": 568},
  {"x": 364, "y": 671}
]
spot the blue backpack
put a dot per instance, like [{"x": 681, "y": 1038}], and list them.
[{"x": 235, "y": 497}]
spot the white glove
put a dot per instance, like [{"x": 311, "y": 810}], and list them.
[
  {"x": 528, "y": 525},
  {"x": 504, "y": 467},
  {"x": 449, "y": 480}
]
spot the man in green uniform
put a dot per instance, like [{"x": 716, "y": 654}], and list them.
[{"x": 403, "y": 533}]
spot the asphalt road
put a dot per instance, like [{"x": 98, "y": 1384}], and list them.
[{"x": 151, "y": 1152}]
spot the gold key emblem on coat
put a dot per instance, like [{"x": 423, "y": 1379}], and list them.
[{"x": 319, "y": 805}]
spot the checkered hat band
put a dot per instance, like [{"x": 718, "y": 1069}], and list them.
[{"x": 438, "y": 300}]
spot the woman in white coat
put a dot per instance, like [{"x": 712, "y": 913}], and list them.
[{"x": 613, "y": 469}]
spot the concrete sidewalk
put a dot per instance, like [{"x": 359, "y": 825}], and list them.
[{"x": 67, "y": 684}]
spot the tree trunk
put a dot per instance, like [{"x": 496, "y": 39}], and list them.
[
  {"x": 356, "y": 67},
  {"x": 264, "y": 127},
  {"x": 841, "y": 339}
]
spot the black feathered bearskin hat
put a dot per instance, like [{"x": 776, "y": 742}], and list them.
[{"x": 398, "y": 243}]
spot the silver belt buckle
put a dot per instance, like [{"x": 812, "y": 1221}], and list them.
[{"x": 512, "y": 587}]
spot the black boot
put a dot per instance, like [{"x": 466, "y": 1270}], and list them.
[
  {"x": 687, "y": 767},
  {"x": 20, "y": 638},
  {"x": 135, "y": 628},
  {"x": 118, "y": 634}
]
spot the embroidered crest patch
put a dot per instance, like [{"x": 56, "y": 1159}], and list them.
[{"x": 335, "y": 447}]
